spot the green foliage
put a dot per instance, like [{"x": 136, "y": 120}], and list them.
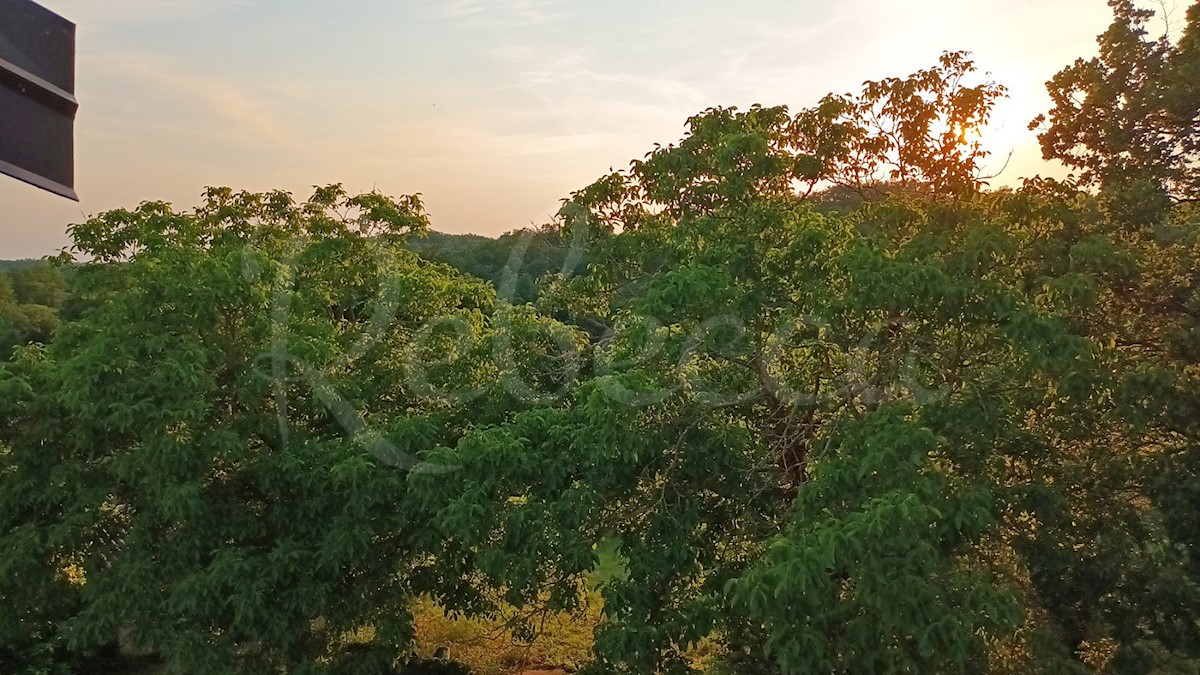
[
  {"x": 39, "y": 284},
  {"x": 514, "y": 262},
  {"x": 821, "y": 324},
  {"x": 30, "y": 296},
  {"x": 893, "y": 441},
  {"x": 211, "y": 457},
  {"x": 874, "y": 559},
  {"x": 14, "y": 264},
  {"x": 816, "y": 404},
  {"x": 8, "y": 297}
]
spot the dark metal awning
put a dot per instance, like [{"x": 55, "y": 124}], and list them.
[{"x": 37, "y": 97}]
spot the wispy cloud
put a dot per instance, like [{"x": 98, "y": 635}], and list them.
[
  {"x": 493, "y": 108},
  {"x": 91, "y": 14},
  {"x": 499, "y": 13},
  {"x": 215, "y": 106}
]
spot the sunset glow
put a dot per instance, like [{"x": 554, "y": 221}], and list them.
[{"x": 492, "y": 110}]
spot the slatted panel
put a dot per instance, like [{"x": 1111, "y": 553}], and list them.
[{"x": 37, "y": 101}]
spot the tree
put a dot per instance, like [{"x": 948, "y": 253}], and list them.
[
  {"x": 22, "y": 318},
  {"x": 39, "y": 284},
  {"x": 1116, "y": 586},
  {"x": 907, "y": 439},
  {"x": 513, "y": 262},
  {"x": 7, "y": 296},
  {"x": 918, "y": 133},
  {"x": 922, "y": 132},
  {"x": 930, "y": 429},
  {"x": 811, "y": 434},
  {"x": 213, "y": 458},
  {"x": 1129, "y": 119},
  {"x": 1129, "y": 122}
]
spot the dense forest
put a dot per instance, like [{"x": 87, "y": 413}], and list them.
[
  {"x": 34, "y": 293},
  {"x": 798, "y": 393}
]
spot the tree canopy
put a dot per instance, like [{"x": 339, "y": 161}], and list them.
[
  {"x": 1129, "y": 119},
  {"x": 818, "y": 397}
]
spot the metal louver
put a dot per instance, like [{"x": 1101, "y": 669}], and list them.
[{"x": 37, "y": 97}]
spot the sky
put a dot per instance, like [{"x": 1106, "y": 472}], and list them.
[{"x": 493, "y": 110}]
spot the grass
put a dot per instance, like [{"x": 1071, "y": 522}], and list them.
[{"x": 489, "y": 647}]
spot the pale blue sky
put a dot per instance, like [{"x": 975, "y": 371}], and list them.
[{"x": 492, "y": 109}]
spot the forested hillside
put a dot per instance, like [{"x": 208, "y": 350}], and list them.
[
  {"x": 32, "y": 294},
  {"x": 797, "y": 393},
  {"x": 14, "y": 264},
  {"x": 513, "y": 262}
]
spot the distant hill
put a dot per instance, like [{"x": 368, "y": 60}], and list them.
[
  {"x": 13, "y": 264},
  {"x": 535, "y": 253}
]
